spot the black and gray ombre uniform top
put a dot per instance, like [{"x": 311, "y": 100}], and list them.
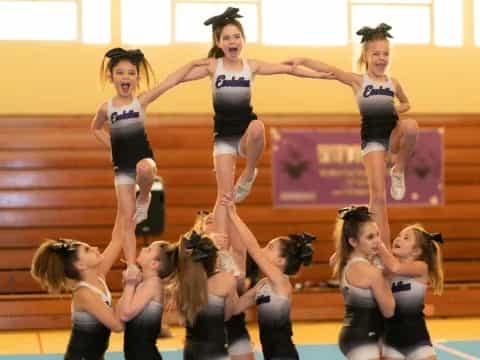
[
  {"x": 407, "y": 327},
  {"x": 231, "y": 100},
  {"x": 206, "y": 338},
  {"x": 376, "y": 105},
  {"x": 89, "y": 338},
  {"x": 274, "y": 324},
  {"x": 127, "y": 134},
  {"x": 141, "y": 333},
  {"x": 363, "y": 321}
]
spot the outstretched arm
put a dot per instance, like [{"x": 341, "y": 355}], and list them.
[
  {"x": 264, "y": 68},
  {"x": 280, "y": 282},
  {"x": 201, "y": 72},
  {"x": 347, "y": 78},
  {"x": 110, "y": 255},
  {"x": 170, "y": 81}
]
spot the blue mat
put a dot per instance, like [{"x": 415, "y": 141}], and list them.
[{"x": 307, "y": 352}]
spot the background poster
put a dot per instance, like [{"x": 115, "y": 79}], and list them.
[{"x": 323, "y": 167}]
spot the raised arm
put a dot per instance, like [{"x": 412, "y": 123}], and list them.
[
  {"x": 393, "y": 265},
  {"x": 170, "y": 81},
  {"x": 110, "y": 255},
  {"x": 348, "y": 78},
  {"x": 263, "y": 68},
  {"x": 96, "y": 126},
  {"x": 277, "y": 277},
  {"x": 201, "y": 72},
  {"x": 238, "y": 248},
  {"x": 404, "y": 104}
]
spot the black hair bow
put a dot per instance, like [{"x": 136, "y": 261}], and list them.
[
  {"x": 437, "y": 237},
  {"x": 367, "y": 32},
  {"x": 201, "y": 248},
  {"x": 136, "y": 56},
  {"x": 353, "y": 212},
  {"x": 304, "y": 248},
  {"x": 63, "y": 247},
  {"x": 229, "y": 14}
]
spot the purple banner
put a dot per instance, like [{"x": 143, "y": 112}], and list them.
[{"x": 323, "y": 167}]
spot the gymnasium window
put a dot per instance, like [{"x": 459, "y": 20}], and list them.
[
  {"x": 410, "y": 20},
  {"x": 56, "y": 20},
  {"x": 146, "y": 22},
  {"x": 190, "y": 15},
  {"x": 448, "y": 22},
  {"x": 96, "y": 21},
  {"x": 438, "y": 22},
  {"x": 38, "y": 20},
  {"x": 270, "y": 22},
  {"x": 162, "y": 22},
  {"x": 305, "y": 22}
]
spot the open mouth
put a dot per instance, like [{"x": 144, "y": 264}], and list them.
[
  {"x": 233, "y": 51},
  {"x": 125, "y": 87}
]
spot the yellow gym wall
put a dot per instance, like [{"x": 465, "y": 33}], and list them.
[{"x": 62, "y": 77}]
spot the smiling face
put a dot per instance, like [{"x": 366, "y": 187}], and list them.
[
  {"x": 125, "y": 78},
  {"x": 231, "y": 41},
  {"x": 377, "y": 56}
]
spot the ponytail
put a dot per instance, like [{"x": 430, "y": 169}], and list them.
[
  {"x": 53, "y": 264},
  {"x": 297, "y": 251},
  {"x": 431, "y": 253},
  {"x": 196, "y": 262},
  {"x": 215, "y": 52}
]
